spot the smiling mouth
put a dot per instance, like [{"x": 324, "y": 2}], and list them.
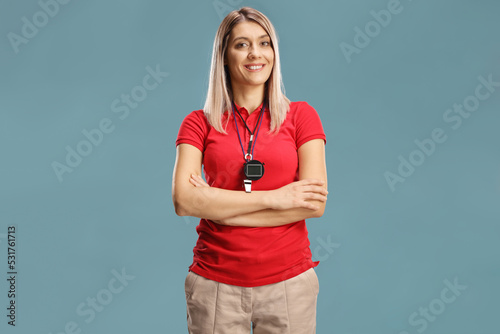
[{"x": 254, "y": 68}]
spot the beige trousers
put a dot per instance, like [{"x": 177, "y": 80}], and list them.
[{"x": 288, "y": 306}]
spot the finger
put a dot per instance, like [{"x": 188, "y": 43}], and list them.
[
  {"x": 310, "y": 206},
  {"x": 204, "y": 184},
  {"x": 315, "y": 189},
  {"x": 316, "y": 197},
  {"x": 201, "y": 181},
  {"x": 312, "y": 182},
  {"x": 195, "y": 181}
]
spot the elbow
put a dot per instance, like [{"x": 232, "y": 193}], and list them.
[
  {"x": 179, "y": 207},
  {"x": 319, "y": 212},
  {"x": 179, "y": 210},
  {"x": 189, "y": 202}
]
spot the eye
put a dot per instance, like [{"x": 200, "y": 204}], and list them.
[
  {"x": 240, "y": 45},
  {"x": 266, "y": 43}
]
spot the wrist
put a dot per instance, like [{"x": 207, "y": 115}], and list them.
[{"x": 267, "y": 199}]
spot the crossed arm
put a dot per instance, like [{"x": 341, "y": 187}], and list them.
[{"x": 298, "y": 200}]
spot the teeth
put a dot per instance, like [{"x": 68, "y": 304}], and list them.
[{"x": 254, "y": 67}]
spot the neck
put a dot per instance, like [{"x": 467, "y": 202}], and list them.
[{"x": 249, "y": 97}]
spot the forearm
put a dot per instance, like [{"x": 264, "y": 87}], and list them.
[
  {"x": 218, "y": 204},
  {"x": 193, "y": 197},
  {"x": 271, "y": 217},
  {"x": 200, "y": 200}
]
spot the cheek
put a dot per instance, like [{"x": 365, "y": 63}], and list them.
[
  {"x": 233, "y": 59},
  {"x": 270, "y": 66},
  {"x": 234, "y": 67},
  {"x": 237, "y": 63},
  {"x": 270, "y": 58}
]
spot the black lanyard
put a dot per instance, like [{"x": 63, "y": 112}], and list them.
[{"x": 253, "y": 139}]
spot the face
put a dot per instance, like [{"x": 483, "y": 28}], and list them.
[{"x": 249, "y": 54}]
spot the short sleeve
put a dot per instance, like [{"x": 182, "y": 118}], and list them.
[
  {"x": 193, "y": 130},
  {"x": 308, "y": 125}
]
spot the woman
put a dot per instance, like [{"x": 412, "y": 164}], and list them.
[{"x": 264, "y": 162}]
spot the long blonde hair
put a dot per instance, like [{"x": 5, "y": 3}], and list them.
[{"x": 220, "y": 94}]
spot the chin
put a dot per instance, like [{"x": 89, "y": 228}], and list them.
[{"x": 256, "y": 83}]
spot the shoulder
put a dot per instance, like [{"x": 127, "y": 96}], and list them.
[
  {"x": 306, "y": 122},
  {"x": 193, "y": 129},
  {"x": 301, "y": 109},
  {"x": 196, "y": 115},
  {"x": 300, "y": 106},
  {"x": 196, "y": 119}
]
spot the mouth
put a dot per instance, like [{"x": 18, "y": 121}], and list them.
[{"x": 254, "y": 67}]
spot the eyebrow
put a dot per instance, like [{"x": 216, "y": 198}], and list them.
[{"x": 242, "y": 37}]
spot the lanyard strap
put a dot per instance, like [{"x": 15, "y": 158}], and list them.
[{"x": 259, "y": 122}]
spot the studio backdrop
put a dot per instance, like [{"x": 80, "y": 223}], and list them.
[{"x": 92, "y": 94}]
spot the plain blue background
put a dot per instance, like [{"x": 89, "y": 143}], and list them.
[{"x": 385, "y": 253}]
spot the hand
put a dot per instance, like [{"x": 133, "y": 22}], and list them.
[
  {"x": 297, "y": 194},
  {"x": 197, "y": 181}
]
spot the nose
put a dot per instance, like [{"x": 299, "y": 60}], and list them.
[{"x": 254, "y": 52}]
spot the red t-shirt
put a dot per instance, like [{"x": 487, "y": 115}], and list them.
[{"x": 251, "y": 256}]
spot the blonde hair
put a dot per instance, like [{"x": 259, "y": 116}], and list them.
[{"x": 220, "y": 94}]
